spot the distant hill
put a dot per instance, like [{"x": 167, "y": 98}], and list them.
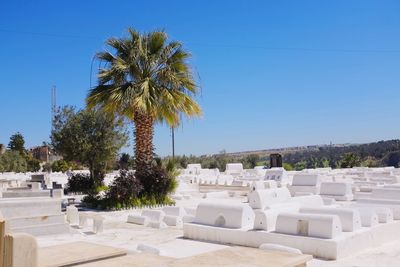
[
  {"x": 382, "y": 153},
  {"x": 376, "y": 154},
  {"x": 287, "y": 150}
]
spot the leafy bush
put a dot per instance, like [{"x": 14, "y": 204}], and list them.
[
  {"x": 157, "y": 182},
  {"x": 12, "y": 161},
  {"x": 81, "y": 183},
  {"x": 130, "y": 189},
  {"x": 60, "y": 166},
  {"x": 124, "y": 188},
  {"x": 349, "y": 160},
  {"x": 33, "y": 165}
]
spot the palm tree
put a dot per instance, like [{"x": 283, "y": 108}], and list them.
[{"x": 148, "y": 80}]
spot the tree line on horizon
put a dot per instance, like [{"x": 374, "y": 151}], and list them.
[{"x": 376, "y": 154}]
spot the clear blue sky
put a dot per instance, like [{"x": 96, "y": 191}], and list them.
[{"x": 272, "y": 73}]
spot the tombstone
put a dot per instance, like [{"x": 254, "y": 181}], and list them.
[
  {"x": 225, "y": 214},
  {"x": 386, "y": 193},
  {"x": 172, "y": 220},
  {"x": 312, "y": 225},
  {"x": 35, "y": 216},
  {"x": 385, "y": 215},
  {"x": 36, "y": 186},
  {"x": 138, "y": 219},
  {"x": 349, "y": 218},
  {"x": 20, "y": 249},
  {"x": 72, "y": 215},
  {"x": 154, "y": 215},
  {"x": 339, "y": 191},
  {"x": 369, "y": 217},
  {"x": 98, "y": 224},
  {"x": 83, "y": 220},
  {"x": 39, "y": 178},
  {"x": 56, "y": 185},
  {"x": 279, "y": 175},
  {"x": 57, "y": 193},
  {"x": 393, "y": 205},
  {"x": 304, "y": 182},
  {"x": 260, "y": 199},
  {"x": 266, "y": 219},
  {"x": 275, "y": 160}
]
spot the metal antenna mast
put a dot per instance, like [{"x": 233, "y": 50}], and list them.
[{"x": 53, "y": 105}]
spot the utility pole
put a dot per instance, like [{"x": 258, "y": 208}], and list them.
[
  {"x": 53, "y": 105},
  {"x": 173, "y": 143}
]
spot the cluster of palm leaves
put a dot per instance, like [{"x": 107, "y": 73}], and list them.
[{"x": 147, "y": 79}]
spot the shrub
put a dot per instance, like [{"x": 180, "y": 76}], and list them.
[
  {"x": 130, "y": 189},
  {"x": 12, "y": 161},
  {"x": 81, "y": 183},
  {"x": 157, "y": 182},
  {"x": 60, "y": 166},
  {"x": 124, "y": 188},
  {"x": 33, "y": 165}
]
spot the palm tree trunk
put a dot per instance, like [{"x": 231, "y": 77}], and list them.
[{"x": 144, "y": 131}]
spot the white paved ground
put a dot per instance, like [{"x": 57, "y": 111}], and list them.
[{"x": 120, "y": 234}]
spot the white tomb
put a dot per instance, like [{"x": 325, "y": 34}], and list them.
[
  {"x": 260, "y": 199},
  {"x": 154, "y": 215},
  {"x": 312, "y": 225},
  {"x": 72, "y": 215},
  {"x": 225, "y": 214},
  {"x": 305, "y": 183},
  {"x": 35, "y": 216},
  {"x": 277, "y": 174},
  {"x": 266, "y": 219},
  {"x": 349, "y": 218},
  {"x": 339, "y": 191},
  {"x": 235, "y": 169},
  {"x": 138, "y": 219}
]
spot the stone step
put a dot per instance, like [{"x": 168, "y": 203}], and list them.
[
  {"x": 44, "y": 229},
  {"x": 19, "y": 194},
  {"x": 29, "y": 207},
  {"x": 36, "y": 220}
]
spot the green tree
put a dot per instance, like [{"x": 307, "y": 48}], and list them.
[
  {"x": 350, "y": 160},
  {"x": 287, "y": 166},
  {"x": 33, "y": 165},
  {"x": 12, "y": 161},
  {"x": 301, "y": 165},
  {"x": 250, "y": 161},
  {"x": 392, "y": 159},
  {"x": 370, "y": 162},
  {"x": 90, "y": 137},
  {"x": 60, "y": 166},
  {"x": 124, "y": 161},
  {"x": 17, "y": 143},
  {"x": 148, "y": 80}
]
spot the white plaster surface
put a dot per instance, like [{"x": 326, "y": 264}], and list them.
[
  {"x": 225, "y": 214},
  {"x": 349, "y": 218},
  {"x": 312, "y": 225}
]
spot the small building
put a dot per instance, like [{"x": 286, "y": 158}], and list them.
[
  {"x": 275, "y": 160},
  {"x": 41, "y": 153}
]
